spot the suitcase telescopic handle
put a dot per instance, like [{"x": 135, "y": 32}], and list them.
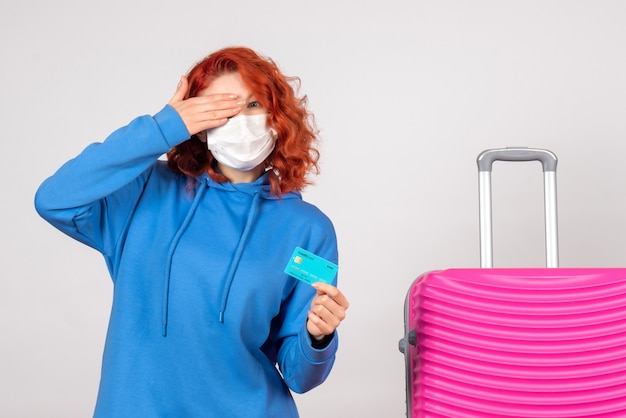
[{"x": 548, "y": 161}]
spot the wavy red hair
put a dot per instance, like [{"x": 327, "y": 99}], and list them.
[{"x": 295, "y": 153}]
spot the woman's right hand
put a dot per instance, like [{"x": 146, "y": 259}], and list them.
[{"x": 203, "y": 112}]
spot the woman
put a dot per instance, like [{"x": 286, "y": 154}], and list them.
[{"x": 204, "y": 322}]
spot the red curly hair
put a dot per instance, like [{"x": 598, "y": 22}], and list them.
[{"x": 294, "y": 154}]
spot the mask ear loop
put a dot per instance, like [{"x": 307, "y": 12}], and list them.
[{"x": 269, "y": 164}]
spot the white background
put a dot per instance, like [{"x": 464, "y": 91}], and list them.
[{"x": 406, "y": 95}]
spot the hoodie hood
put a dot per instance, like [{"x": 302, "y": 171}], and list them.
[{"x": 259, "y": 190}]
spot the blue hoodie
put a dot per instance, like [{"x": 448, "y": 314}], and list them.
[{"x": 204, "y": 322}]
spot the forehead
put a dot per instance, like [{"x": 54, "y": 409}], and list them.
[{"x": 230, "y": 83}]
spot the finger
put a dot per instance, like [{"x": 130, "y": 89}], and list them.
[
  {"x": 325, "y": 303},
  {"x": 326, "y": 319},
  {"x": 209, "y": 107},
  {"x": 200, "y": 113},
  {"x": 181, "y": 91},
  {"x": 329, "y": 310},
  {"x": 317, "y": 326},
  {"x": 334, "y": 293},
  {"x": 221, "y": 97},
  {"x": 312, "y": 325}
]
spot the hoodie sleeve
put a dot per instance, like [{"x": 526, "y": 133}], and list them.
[
  {"x": 302, "y": 365},
  {"x": 91, "y": 196}
]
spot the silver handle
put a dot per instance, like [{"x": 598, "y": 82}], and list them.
[
  {"x": 548, "y": 161},
  {"x": 486, "y": 158}
]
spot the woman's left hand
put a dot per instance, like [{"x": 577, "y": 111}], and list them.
[{"x": 328, "y": 309}]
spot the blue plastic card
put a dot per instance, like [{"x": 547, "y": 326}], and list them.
[{"x": 310, "y": 268}]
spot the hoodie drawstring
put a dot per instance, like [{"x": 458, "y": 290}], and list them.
[
  {"x": 233, "y": 265},
  {"x": 238, "y": 252},
  {"x": 170, "y": 255}
]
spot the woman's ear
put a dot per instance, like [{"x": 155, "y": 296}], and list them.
[{"x": 201, "y": 136}]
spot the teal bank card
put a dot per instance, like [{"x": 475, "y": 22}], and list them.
[{"x": 310, "y": 268}]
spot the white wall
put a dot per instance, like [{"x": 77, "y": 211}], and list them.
[{"x": 406, "y": 93}]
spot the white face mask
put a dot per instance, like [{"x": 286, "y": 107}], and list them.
[{"x": 243, "y": 142}]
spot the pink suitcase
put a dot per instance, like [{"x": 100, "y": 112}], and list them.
[{"x": 493, "y": 342}]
